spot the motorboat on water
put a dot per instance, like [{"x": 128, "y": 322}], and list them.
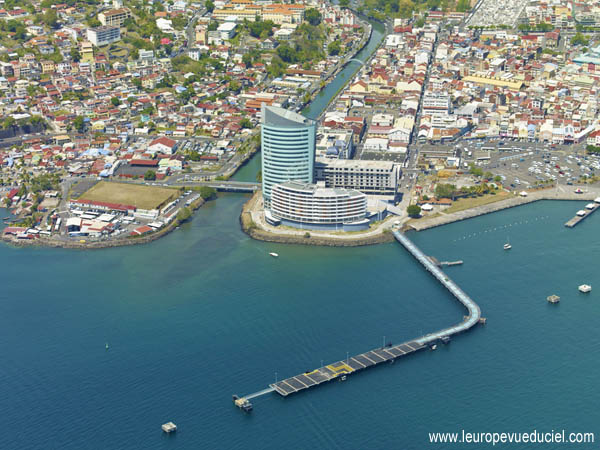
[
  {"x": 585, "y": 288},
  {"x": 274, "y": 255}
]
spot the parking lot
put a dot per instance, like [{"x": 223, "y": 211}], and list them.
[{"x": 526, "y": 165}]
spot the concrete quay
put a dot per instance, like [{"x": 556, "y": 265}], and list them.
[{"x": 557, "y": 193}]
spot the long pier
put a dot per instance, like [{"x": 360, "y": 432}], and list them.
[{"x": 341, "y": 369}]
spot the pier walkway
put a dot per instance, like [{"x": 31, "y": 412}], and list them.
[
  {"x": 474, "y": 312},
  {"x": 389, "y": 353},
  {"x": 580, "y": 216}
]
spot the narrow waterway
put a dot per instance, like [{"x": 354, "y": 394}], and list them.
[
  {"x": 319, "y": 104},
  {"x": 249, "y": 171}
]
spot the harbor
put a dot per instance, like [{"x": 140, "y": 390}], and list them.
[
  {"x": 388, "y": 353},
  {"x": 254, "y": 332}
]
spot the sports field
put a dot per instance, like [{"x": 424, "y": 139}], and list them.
[{"x": 141, "y": 196}]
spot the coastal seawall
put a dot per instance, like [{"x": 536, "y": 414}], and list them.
[
  {"x": 255, "y": 232},
  {"x": 557, "y": 193}
]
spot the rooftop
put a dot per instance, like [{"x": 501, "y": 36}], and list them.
[
  {"x": 280, "y": 117},
  {"x": 320, "y": 191}
]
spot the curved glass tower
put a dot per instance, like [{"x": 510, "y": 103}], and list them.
[{"x": 288, "y": 148}]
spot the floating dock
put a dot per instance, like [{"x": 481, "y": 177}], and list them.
[
  {"x": 341, "y": 369},
  {"x": 169, "y": 427},
  {"x": 583, "y": 214},
  {"x": 439, "y": 263}
]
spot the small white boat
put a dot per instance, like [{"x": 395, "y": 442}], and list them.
[
  {"x": 585, "y": 288},
  {"x": 434, "y": 346},
  {"x": 507, "y": 246},
  {"x": 106, "y": 346},
  {"x": 274, "y": 255},
  {"x": 343, "y": 377}
]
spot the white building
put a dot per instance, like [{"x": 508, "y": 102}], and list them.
[
  {"x": 313, "y": 206},
  {"x": 162, "y": 145},
  {"x": 165, "y": 25},
  {"x": 370, "y": 177},
  {"x": 104, "y": 35},
  {"x": 436, "y": 102},
  {"x": 227, "y": 30}
]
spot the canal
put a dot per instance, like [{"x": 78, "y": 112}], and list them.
[{"x": 249, "y": 171}]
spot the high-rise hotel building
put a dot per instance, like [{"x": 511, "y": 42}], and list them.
[{"x": 288, "y": 148}]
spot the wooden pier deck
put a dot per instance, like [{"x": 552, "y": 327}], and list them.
[{"x": 346, "y": 367}]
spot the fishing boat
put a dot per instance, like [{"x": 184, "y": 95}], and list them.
[{"x": 274, "y": 255}]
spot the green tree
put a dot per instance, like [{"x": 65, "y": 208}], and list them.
[
  {"x": 579, "y": 39},
  {"x": 334, "y": 48},
  {"x": 75, "y": 55},
  {"x": 79, "y": 124},
  {"x": 115, "y": 101},
  {"x": 405, "y": 8},
  {"x": 8, "y": 122},
  {"x": 287, "y": 53},
  {"x": 208, "y": 193},
  {"x": 93, "y": 22},
  {"x": 313, "y": 16},
  {"x": 234, "y": 86},
  {"x": 245, "y": 123},
  {"x": 477, "y": 171},
  {"x": 463, "y": 5},
  {"x": 210, "y": 6},
  {"x": 445, "y": 190},
  {"x": 247, "y": 60},
  {"x": 150, "y": 175},
  {"x": 344, "y": 3},
  {"x": 50, "y": 18},
  {"x": 184, "y": 214},
  {"x": 276, "y": 68},
  {"x": 433, "y": 4},
  {"x": 413, "y": 210}
]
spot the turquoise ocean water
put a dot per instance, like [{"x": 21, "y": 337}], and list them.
[{"x": 205, "y": 313}]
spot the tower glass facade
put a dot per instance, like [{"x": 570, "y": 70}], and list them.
[{"x": 288, "y": 148}]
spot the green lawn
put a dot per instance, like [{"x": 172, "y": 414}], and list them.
[
  {"x": 472, "y": 202},
  {"x": 141, "y": 196}
]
